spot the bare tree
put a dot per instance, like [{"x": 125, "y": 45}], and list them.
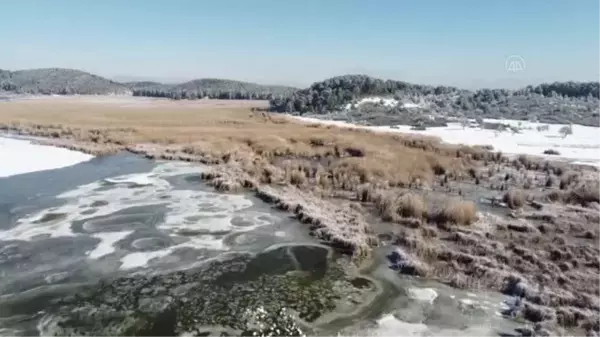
[
  {"x": 542, "y": 128},
  {"x": 566, "y": 130}
]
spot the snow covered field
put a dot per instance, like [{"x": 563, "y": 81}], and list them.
[
  {"x": 19, "y": 156},
  {"x": 582, "y": 147}
]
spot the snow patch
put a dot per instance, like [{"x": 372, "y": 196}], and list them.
[
  {"x": 389, "y": 102},
  {"x": 582, "y": 147},
  {"x": 18, "y": 156}
]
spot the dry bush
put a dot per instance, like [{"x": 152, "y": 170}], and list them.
[
  {"x": 297, "y": 177},
  {"x": 366, "y": 193},
  {"x": 550, "y": 181},
  {"x": 514, "y": 198},
  {"x": 583, "y": 194},
  {"x": 411, "y": 206},
  {"x": 528, "y": 162},
  {"x": 568, "y": 179},
  {"x": 456, "y": 211},
  {"x": 551, "y": 152},
  {"x": 554, "y": 196},
  {"x": 393, "y": 207},
  {"x": 386, "y": 206}
]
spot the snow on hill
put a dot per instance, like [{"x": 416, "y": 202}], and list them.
[{"x": 390, "y": 102}]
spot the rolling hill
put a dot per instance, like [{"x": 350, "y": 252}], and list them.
[
  {"x": 361, "y": 97},
  {"x": 60, "y": 81}
]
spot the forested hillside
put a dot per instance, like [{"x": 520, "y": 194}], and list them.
[
  {"x": 58, "y": 81},
  {"x": 563, "y": 102},
  {"x": 211, "y": 88},
  {"x": 61, "y": 81}
]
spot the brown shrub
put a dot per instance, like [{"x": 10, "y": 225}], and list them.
[
  {"x": 554, "y": 196},
  {"x": 355, "y": 151},
  {"x": 551, "y": 152},
  {"x": 514, "y": 198},
  {"x": 568, "y": 179},
  {"x": 583, "y": 194},
  {"x": 550, "y": 181},
  {"x": 455, "y": 211},
  {"x": 296, "y": 177},
  {"x": 472, "y": 173},
  {"x": 317, "y": 141},
  {"x": 392, "y": 207},
  {"x": 366, "y": 193},
  {"x": 386, "y": 206},
  {"x": 528, "y": 162},
  {"x": 411, "y": 205}
]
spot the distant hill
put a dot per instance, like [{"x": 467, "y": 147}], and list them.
[
  {"x": 336, "y": 92},
  {"x": 211, "y": 88},
  {"x": 361, "y": 97},
  {"x": 142, "y": 84},
  {"x": 58, "y": 81}
]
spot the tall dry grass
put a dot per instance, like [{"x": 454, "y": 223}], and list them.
[{"x": 225, "y": 133}]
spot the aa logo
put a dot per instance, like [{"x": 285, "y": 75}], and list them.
[{"x": 514, "y": 64}]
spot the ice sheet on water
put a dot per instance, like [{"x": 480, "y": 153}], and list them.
[
  {"x": 207, "y": 215},
  {"x": 389, "y": 325},
  {"x": 20, "y": 156},
  {"x": 423, "y": 294},
  {"x": 107, "y": 241}
]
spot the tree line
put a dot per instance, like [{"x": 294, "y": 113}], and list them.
[{"x": 552, "y": 103}]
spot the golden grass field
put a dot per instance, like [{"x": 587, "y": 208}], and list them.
[{"x": 230, "y": 129}]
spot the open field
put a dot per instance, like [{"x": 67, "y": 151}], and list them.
[
  {"x": 218, "y": 128},
  {"x": 357, "y": 189}
]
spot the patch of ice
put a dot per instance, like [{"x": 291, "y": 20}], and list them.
[
  {"x": 422, "y": 294},
  {"x": 107, "y": 241},
  {"x": 207, "y": 214},
  {"x": 388, "y": 325},
  {"x": 141, "y": 259},
  {"x": 133, "y": 179},
  {"x": 467, "y": 301},
  {"x": 20, "y": 156}
]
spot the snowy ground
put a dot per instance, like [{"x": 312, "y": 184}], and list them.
[
  {"x": 19, "y": 156},
  {"x": 582, "y": 147},
  {"x": 384, "y": 101}
]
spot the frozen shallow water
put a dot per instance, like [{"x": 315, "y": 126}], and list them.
[{"x": 18, "y": 156}]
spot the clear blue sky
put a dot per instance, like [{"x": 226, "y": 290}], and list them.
[{"x": 460, "y": 42}]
